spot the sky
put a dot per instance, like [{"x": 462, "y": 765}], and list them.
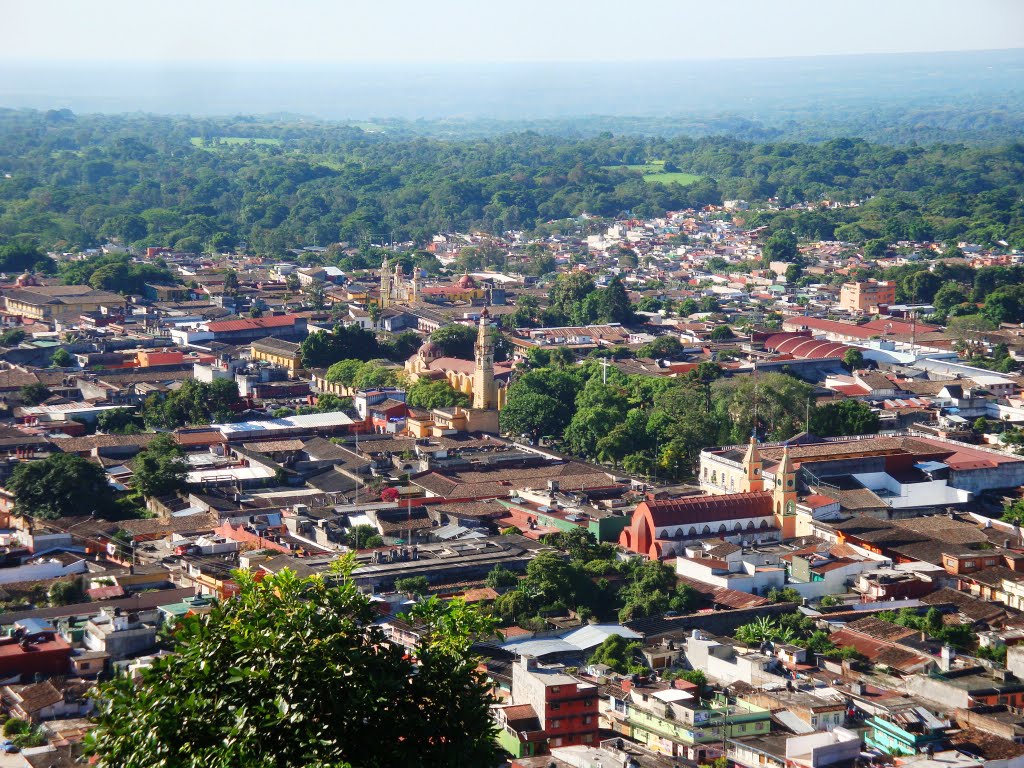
[{"x": 466, "y": 31}]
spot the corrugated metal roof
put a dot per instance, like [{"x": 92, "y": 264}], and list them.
[
  {"x": 595, "y": 634},
  {"x": 540, "y": 648},
  {"x": 306, "y": 421},
  {"x": 581, "y": 639}
]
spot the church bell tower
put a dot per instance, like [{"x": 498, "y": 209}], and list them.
[{"x": 485, "y": 394}]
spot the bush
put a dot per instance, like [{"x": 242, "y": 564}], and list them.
[
  {"x": 31, "y": 738},
  {"x": 15, "y": 727},
  {"x": 501, "y": 578},
  {"x": 414, "y": 585},
  {"x": 65, "y": 593}
]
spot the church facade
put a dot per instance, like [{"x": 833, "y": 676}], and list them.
[
  {"x": 751, "y": 513},
  {"x": 482, "y": 379},
  {"x": 395, "y": 288}
]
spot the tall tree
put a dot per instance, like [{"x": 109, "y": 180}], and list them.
[
  {"x": 531, "y": 413},
  {"x": 60, "y": 485},
  {"x": 781, "y": 246},
  {"x": 160, "y": 469},
  {"x": 456, "y": 340},
  {"x": 295, "y": 672}
]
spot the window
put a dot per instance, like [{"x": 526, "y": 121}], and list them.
[
  {"x": 586, "y": 720},
  {"x": 968, "y": 563},
  {"x": 555, "y": 724},
  {"x": 556, "y": 742},
  {"x": 556, "y": 689},
  {"x": 556, "y": 706}
]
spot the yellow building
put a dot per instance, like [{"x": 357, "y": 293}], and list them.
[
  {"x": 62, "y": 303},
  {"x": 446, "y": 421},
  {"x": 283, "y": 353},
  {"x": 482, "y": 379}
]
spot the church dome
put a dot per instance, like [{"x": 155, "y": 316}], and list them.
[
  {"x": 431, "y": 350},
  {"x": 467, "y": 282}
]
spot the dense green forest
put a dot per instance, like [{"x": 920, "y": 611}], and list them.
[{"x": 71, "y": 181}]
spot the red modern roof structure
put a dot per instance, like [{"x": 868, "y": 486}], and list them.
[{"x": 802, "y": 346}]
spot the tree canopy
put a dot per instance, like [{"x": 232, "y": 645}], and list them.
[
  {"x": 61, "y": 485},
  {"x": 294, "y": 672},
  {"x": 194, "y": 402},
  {"x": 160, "y": 469},
  {"x": 141, "y": 180}
]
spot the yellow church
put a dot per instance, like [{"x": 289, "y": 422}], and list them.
[{"x": 482, "y": 379}]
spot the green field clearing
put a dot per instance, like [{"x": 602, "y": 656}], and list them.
[
  {"x": 198, "y": 141},
  {"x": 654, "y": 173},
  {"x": 671, "y": 178}
]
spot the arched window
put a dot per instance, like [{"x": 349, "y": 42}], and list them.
[
  {"x": 721, "y": 528},
  {"x": 714, "y": 478},
  {"x": 664, "y": 534},
  {"x": 750, "y": 525},
  {"x": 732, "y": 483},
  {"x": 706, "y": 530},
  {"x": 738, "y": 527},
  {"x": 764, "y": 524},
  {"x": 693, "y": 531},
  {"x": 790, "y": 507},
  {"x": 705, "y": 473}
]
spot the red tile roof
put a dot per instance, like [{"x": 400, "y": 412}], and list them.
[
  {"x": 251, "y": 323},
  {"x": 705, "y": 509},
  {"x": 723, "y": 596},
  {"x": 816, "y": 500}
]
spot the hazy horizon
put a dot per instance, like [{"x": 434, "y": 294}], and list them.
[
  {"x": 364, "y": 90},
  {"x": 471, "y": 32}
]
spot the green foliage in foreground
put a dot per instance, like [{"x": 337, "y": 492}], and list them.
[{"x": 292, "y": 672}]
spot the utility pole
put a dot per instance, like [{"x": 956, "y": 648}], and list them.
[{"x": 755, "y": 397}]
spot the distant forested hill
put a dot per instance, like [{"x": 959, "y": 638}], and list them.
[{"x": 71, "y": 180}]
